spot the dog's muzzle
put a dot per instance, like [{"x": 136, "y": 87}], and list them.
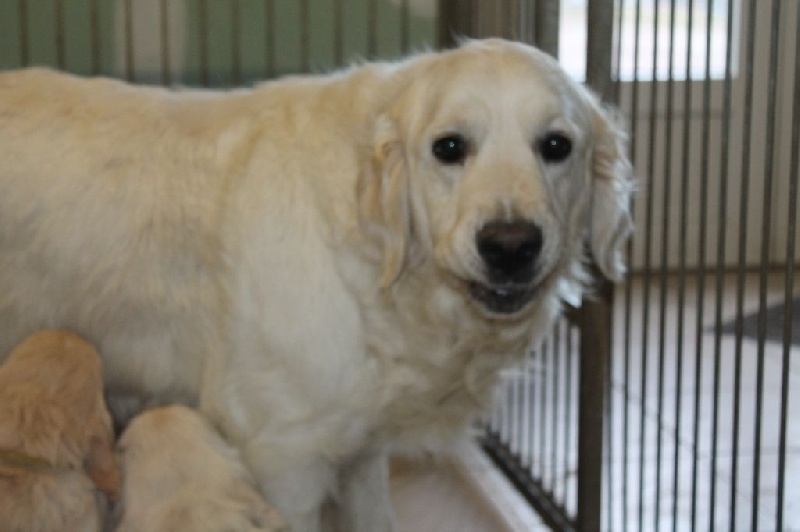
[{"x": 510, "y": 252}]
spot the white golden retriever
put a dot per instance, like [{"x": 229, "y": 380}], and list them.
[
  {"x": 330, "y": 267},
  {"x": 179, "y": 474}
]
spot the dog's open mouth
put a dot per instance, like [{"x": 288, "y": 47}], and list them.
[{"x": 504, "y": 299}]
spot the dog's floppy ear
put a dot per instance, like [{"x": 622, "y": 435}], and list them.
[
  {"x": 384, "y": 200},
  {"x": 612, "y": 184}
]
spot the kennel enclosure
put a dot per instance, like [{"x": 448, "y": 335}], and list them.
[{"x": 668, "y": 402}]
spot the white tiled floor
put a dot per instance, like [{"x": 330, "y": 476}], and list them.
[
  {"x": 680, "y": 397},
  {"x": 462, "y": 494},
  {"x": 653, "y": 392}
]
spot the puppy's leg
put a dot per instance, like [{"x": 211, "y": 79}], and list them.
[{"x": 365, "y": 501}]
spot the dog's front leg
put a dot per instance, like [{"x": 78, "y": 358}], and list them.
[
  {"x": 298, "y": 492},
  {"x": 365, "y": 504}
]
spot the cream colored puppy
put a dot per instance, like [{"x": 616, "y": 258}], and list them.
[
  {"x": 57, "y": 467},
  {"x": 330, "y": 267},
  {"x": 179, "y": 474}
]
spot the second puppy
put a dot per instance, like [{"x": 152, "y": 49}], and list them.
[{"x": 179, "y": 474}]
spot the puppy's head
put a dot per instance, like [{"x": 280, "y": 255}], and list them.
[
  {"x": 164, "y": 449},
  {"x": 52, "y": 406},
  {"x": 492, "y": 162}
]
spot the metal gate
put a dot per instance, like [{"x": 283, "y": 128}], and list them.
[
  {"x": 701, "y": 392},
  {"x": 666, "y": 403}
]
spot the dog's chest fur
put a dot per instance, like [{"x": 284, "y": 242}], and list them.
[{"x": 438, "y": 358}]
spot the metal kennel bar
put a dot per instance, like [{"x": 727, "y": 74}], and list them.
[
  {"x": 665, "y": 403},
  {"x": 699, "y": 392},
  {"x": 701, "y": 386}
]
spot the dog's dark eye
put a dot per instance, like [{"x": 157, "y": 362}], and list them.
[
  {"x": 555, "y": 147},
  {"x": 451, "y": 149}
]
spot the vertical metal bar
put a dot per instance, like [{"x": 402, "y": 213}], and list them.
[
  {"x": 545, "y": 378},
  {"x": 525, "y": 426},
  {"x": 789, "y": 283},
  {"x": 564, "y": 419},
  {"x": 456, "y": 18},
  {"x": 503, "y": 421},
  {"x": 202, "y": 33},
  {"x": 61, "y": 61},
  {"x": 508, "y": 10},
  {"x": 515, "y": 415},
  {"x": 338, "y": 32},
  {"x": 555, "y": 419},
  {"x": 128, "y": 14},
  {"x": 236, "y": 42},
  {"x": 547, "y": 16},
  {"x": 629, "y": 283},
  {"x": 166, "y": 67},
  {"x": 372, "y": 27},
  {"x": 722, "y": 221},
  {"x": 269, "y": 36},
  {"x": 569, "y": 392},
  {"x": 595, "y": 329},
  {"x": 596, "y": 320},
  {"x": 608, "y": 428},
  {"x": 721, "y": 236},
  {"x": 766, "y": 230},
  {"x": 682, "y": 268},
  {"x": 521, "y": 26},
  {"x": 405, "y": 26},
  {"x": 616, "y": 67},
  {"x": 534, "y": 413},
  {"x": 305, "y": 36},
  {"x": 611, "y": 501},
  {"x": 740, "y": 283},
  {"x": 94, "y": 36},
  {"x": 504, "y": 425},
  {"x": 24, "y": 51},
  {"x": 533, "y": 426},
  {"x": 563, "y": 442},
  {"x": 649, "y": 214},
  {"x": 600, "y": 47},
  {"x": 665, "y": 235}
]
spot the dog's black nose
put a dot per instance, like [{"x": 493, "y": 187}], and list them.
[{"x": 510, "y": 250}]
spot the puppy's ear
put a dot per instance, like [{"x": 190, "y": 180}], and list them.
[
  {"x": 384, "y": 201},
  {"x": 101, "y": 463},
  {"x": 612, "y": 184}
]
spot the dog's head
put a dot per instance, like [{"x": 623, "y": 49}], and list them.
[{"x": 491, "y": 161}]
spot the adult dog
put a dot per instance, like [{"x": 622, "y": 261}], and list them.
[{"x": 331, "y": 267}]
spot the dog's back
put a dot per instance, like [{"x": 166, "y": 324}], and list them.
[{"x": 107, "y": 226}]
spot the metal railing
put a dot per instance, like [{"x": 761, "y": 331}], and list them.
[{"x": 700, "y": 391}]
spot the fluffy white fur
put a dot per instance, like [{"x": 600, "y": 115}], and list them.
[
  {"x": 293, "y": 259},
  {"x": 179, "y": 474},
  {"x": 57, "y": 466}
]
